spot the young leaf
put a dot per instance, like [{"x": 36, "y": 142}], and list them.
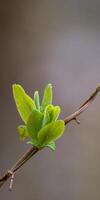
[
  {"x": 47, "y": 97},
  {"x": 51, "y": 113},
  {"x": 24, "y": 103},
  {"x": 46, "y": 118},
  {"x": 34, "y": 123},
  {"x": 51, "y": 132},
  {"x": 23, "y": 132},
  {"x": 36, "y": 100},
  {"x": 51, "y": 146},
  {"x": 55, "y": 113}
]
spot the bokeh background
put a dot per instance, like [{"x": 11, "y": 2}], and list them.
[{"x": 58, "y": 42}]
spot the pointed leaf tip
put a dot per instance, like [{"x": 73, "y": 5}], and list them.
[
  {"x": 47, "y": 97},
  {"x": 37, "y": 100}
]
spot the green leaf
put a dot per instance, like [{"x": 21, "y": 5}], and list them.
[
  {"x": 47, "y": 112},
  {"x": 22, "y": 132},
  {"x": 51, "y": 113},
  {"x": 34, "y": 123},
  {"x": 36, "y": 99},
  {"x": 51, "y": 146},
  {"x": 24, "y": 103},
  {"x": 55, "y": 113},
  {"x": 47, "y": 97},
  {"x": 34, "y": 143},
  {"x": 51, "y": 132}
]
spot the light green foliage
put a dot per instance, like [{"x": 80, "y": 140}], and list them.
[
  {"x": 51, "y": 145},
  {"x": 34, "y": 123},
  {"x": 24, "y": 103},
  {"x": 23, "y": 133},
  {"x": 42, "y": 126},
  {"x": 36, "y": 99},
  {"x": 51, "y": 132},
  {"x": 47, "y": 97}
]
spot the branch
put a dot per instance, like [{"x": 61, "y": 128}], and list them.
[
  {"x": 33, "y": 150},
  {"x": 83, "y": 107}
]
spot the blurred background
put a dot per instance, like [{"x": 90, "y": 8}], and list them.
[{"x": 58, "y": 42}]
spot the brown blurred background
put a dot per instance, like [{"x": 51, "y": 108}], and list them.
[{"x": 56, "y": 41}]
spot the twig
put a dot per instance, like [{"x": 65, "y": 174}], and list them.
[
  {"x": 34, "y": 150},
  {"x": 83, "y": 107}
]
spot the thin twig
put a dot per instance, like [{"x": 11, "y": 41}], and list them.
[
  {"x": 18, "y": 164},
  {"x": 33, "y": 150},
  {"x": 83, "y": 107}
]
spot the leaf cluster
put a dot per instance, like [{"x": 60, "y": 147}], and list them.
[{"x": 41, "y": 124}]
